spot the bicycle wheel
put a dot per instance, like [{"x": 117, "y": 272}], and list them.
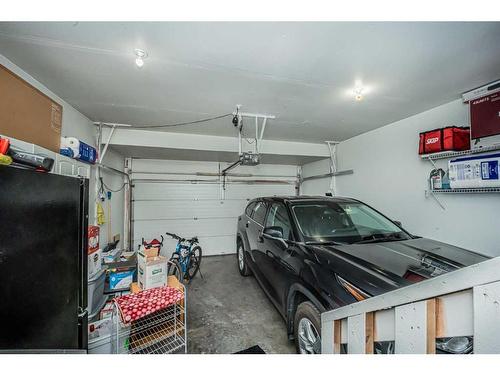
[
  {"x": 174, "y": 269},
  {"x": 194, "y": 262}
]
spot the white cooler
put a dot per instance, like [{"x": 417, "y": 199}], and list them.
[{"x": 96, "y": 298}]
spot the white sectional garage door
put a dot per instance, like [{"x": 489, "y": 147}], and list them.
[{"x": 185, "y": 198}]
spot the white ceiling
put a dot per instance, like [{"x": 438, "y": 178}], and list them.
[{"x": 299, "y": 72}]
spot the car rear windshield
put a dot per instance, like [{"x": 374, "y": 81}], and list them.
[{"x": 345, "y": 222}]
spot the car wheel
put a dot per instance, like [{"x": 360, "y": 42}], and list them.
[
  {"x": 307, "y": 329},
  {"x": 240, "y": 257}
]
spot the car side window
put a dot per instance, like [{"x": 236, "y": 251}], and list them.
[
  {"x": 278, "y": 217},
  {"x": 249, "y": 209},
  {"x": 259, "y": 212}
]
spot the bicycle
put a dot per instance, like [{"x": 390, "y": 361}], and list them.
[{"x": 186, "y": 258}]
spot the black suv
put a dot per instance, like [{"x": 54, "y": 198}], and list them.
[{"x": 312, "y": 254}]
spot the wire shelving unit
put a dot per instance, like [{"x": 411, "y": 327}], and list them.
[
  {"x": 162, "y": 332},
  {"x": 467, "y": 191},
  {"x": 452, "y": 154}
]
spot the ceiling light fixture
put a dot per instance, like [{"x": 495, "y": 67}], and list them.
[
  {"x": 358, "y": 94},
  {"x": 358, "y": 91},
  {"x": 140, "y": 56}
]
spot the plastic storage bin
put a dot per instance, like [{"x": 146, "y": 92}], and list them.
[
  {"x": 95, "y": 297},
  {"x": 475, "y": 171}
]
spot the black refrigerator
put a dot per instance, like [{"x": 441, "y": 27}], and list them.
[{"x": 43, "y": 262}]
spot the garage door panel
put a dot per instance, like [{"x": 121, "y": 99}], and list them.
[
  {"x": 187, "y": 227},
  {"x": 158, "y": 190},
  {"x": 159, "y": 207},
  {"x": 173, "y": 166},
  {"x": 254, "y": 191},
  {"x": 183, "y": 209},
  {"x": 209, "y": 245},
  {"x": 216, "y": 236}
]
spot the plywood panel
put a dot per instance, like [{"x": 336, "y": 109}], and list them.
[
  {"x": 384, "y": 325},
  {"x": 356, "y": 334},
  {"x": 455, "y": 314},
  {"x": 28, "y": 114},
  {"x": 487, "y": 318},
  {"x": 327, "y": 337},
  {"x": 415, "y": 328}
]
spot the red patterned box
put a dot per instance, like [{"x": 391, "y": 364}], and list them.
[{"x": 93, "y": 239}]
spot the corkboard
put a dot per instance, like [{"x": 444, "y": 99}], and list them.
[{"x": 28, "y": 114}]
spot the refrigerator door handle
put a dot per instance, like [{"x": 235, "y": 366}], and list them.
[{"x": 83, "y": 324}]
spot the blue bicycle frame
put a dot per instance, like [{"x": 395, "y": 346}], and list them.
[{"x": 184, "y": 252}]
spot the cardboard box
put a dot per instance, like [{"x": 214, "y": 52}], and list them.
[
  {"x": 92, "y": 239},
  {"x": 94, "y": 263},
  {"x": 28, "y": 114},
  {"x": 121, "y": 279},
  {"x": 148, "y": 252},
  {"x": 107, "y": 310},
  {"x": 152, "y": 271},
  {"x": 112, "y": 256}
]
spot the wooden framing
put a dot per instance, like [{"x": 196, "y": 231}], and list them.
[
  {"x": 369, "y": 332},
  {"x": 431, "y": 326},
  {"x": 461, "y": 303},
  {"x": 337, "y": 333}
]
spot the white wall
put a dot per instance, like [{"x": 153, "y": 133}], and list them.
[
  {"x": 319, "y": 186},
  {"x": 75, "y": 124},
  {"x": 390, "y": 176}
]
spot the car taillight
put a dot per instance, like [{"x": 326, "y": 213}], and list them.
[
  {"x": 352, "y": 290},
  {"x": 413, "y": 277}
]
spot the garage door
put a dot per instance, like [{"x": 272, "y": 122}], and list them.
[{"x": 171, "y": 203}]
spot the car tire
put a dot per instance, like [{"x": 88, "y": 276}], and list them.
[
  {"x": 307, "y": 329},
  {"x": 240, "y": 259}
]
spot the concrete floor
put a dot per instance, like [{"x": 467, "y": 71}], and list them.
[{"x": 228, "y": 313}]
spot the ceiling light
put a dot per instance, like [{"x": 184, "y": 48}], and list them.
[
  {"x": 140, "y": 56},
  {"x": 358, "y": 92}
]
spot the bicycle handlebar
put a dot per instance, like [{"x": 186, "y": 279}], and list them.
[
  {"x": 181, "y": 239},
  {"x": 173, "y": 236}
]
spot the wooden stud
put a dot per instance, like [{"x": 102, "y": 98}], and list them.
[
  {"x": 337, "y": 335},
  {"x": 431, "y": 326},
  {"x": 369, "y": 332}
]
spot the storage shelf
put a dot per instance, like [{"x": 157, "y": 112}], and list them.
[
  {"x": 452, "y": 154},
  {"x": 109, "y": 291},
  {"x": 467, "y": 191}
]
